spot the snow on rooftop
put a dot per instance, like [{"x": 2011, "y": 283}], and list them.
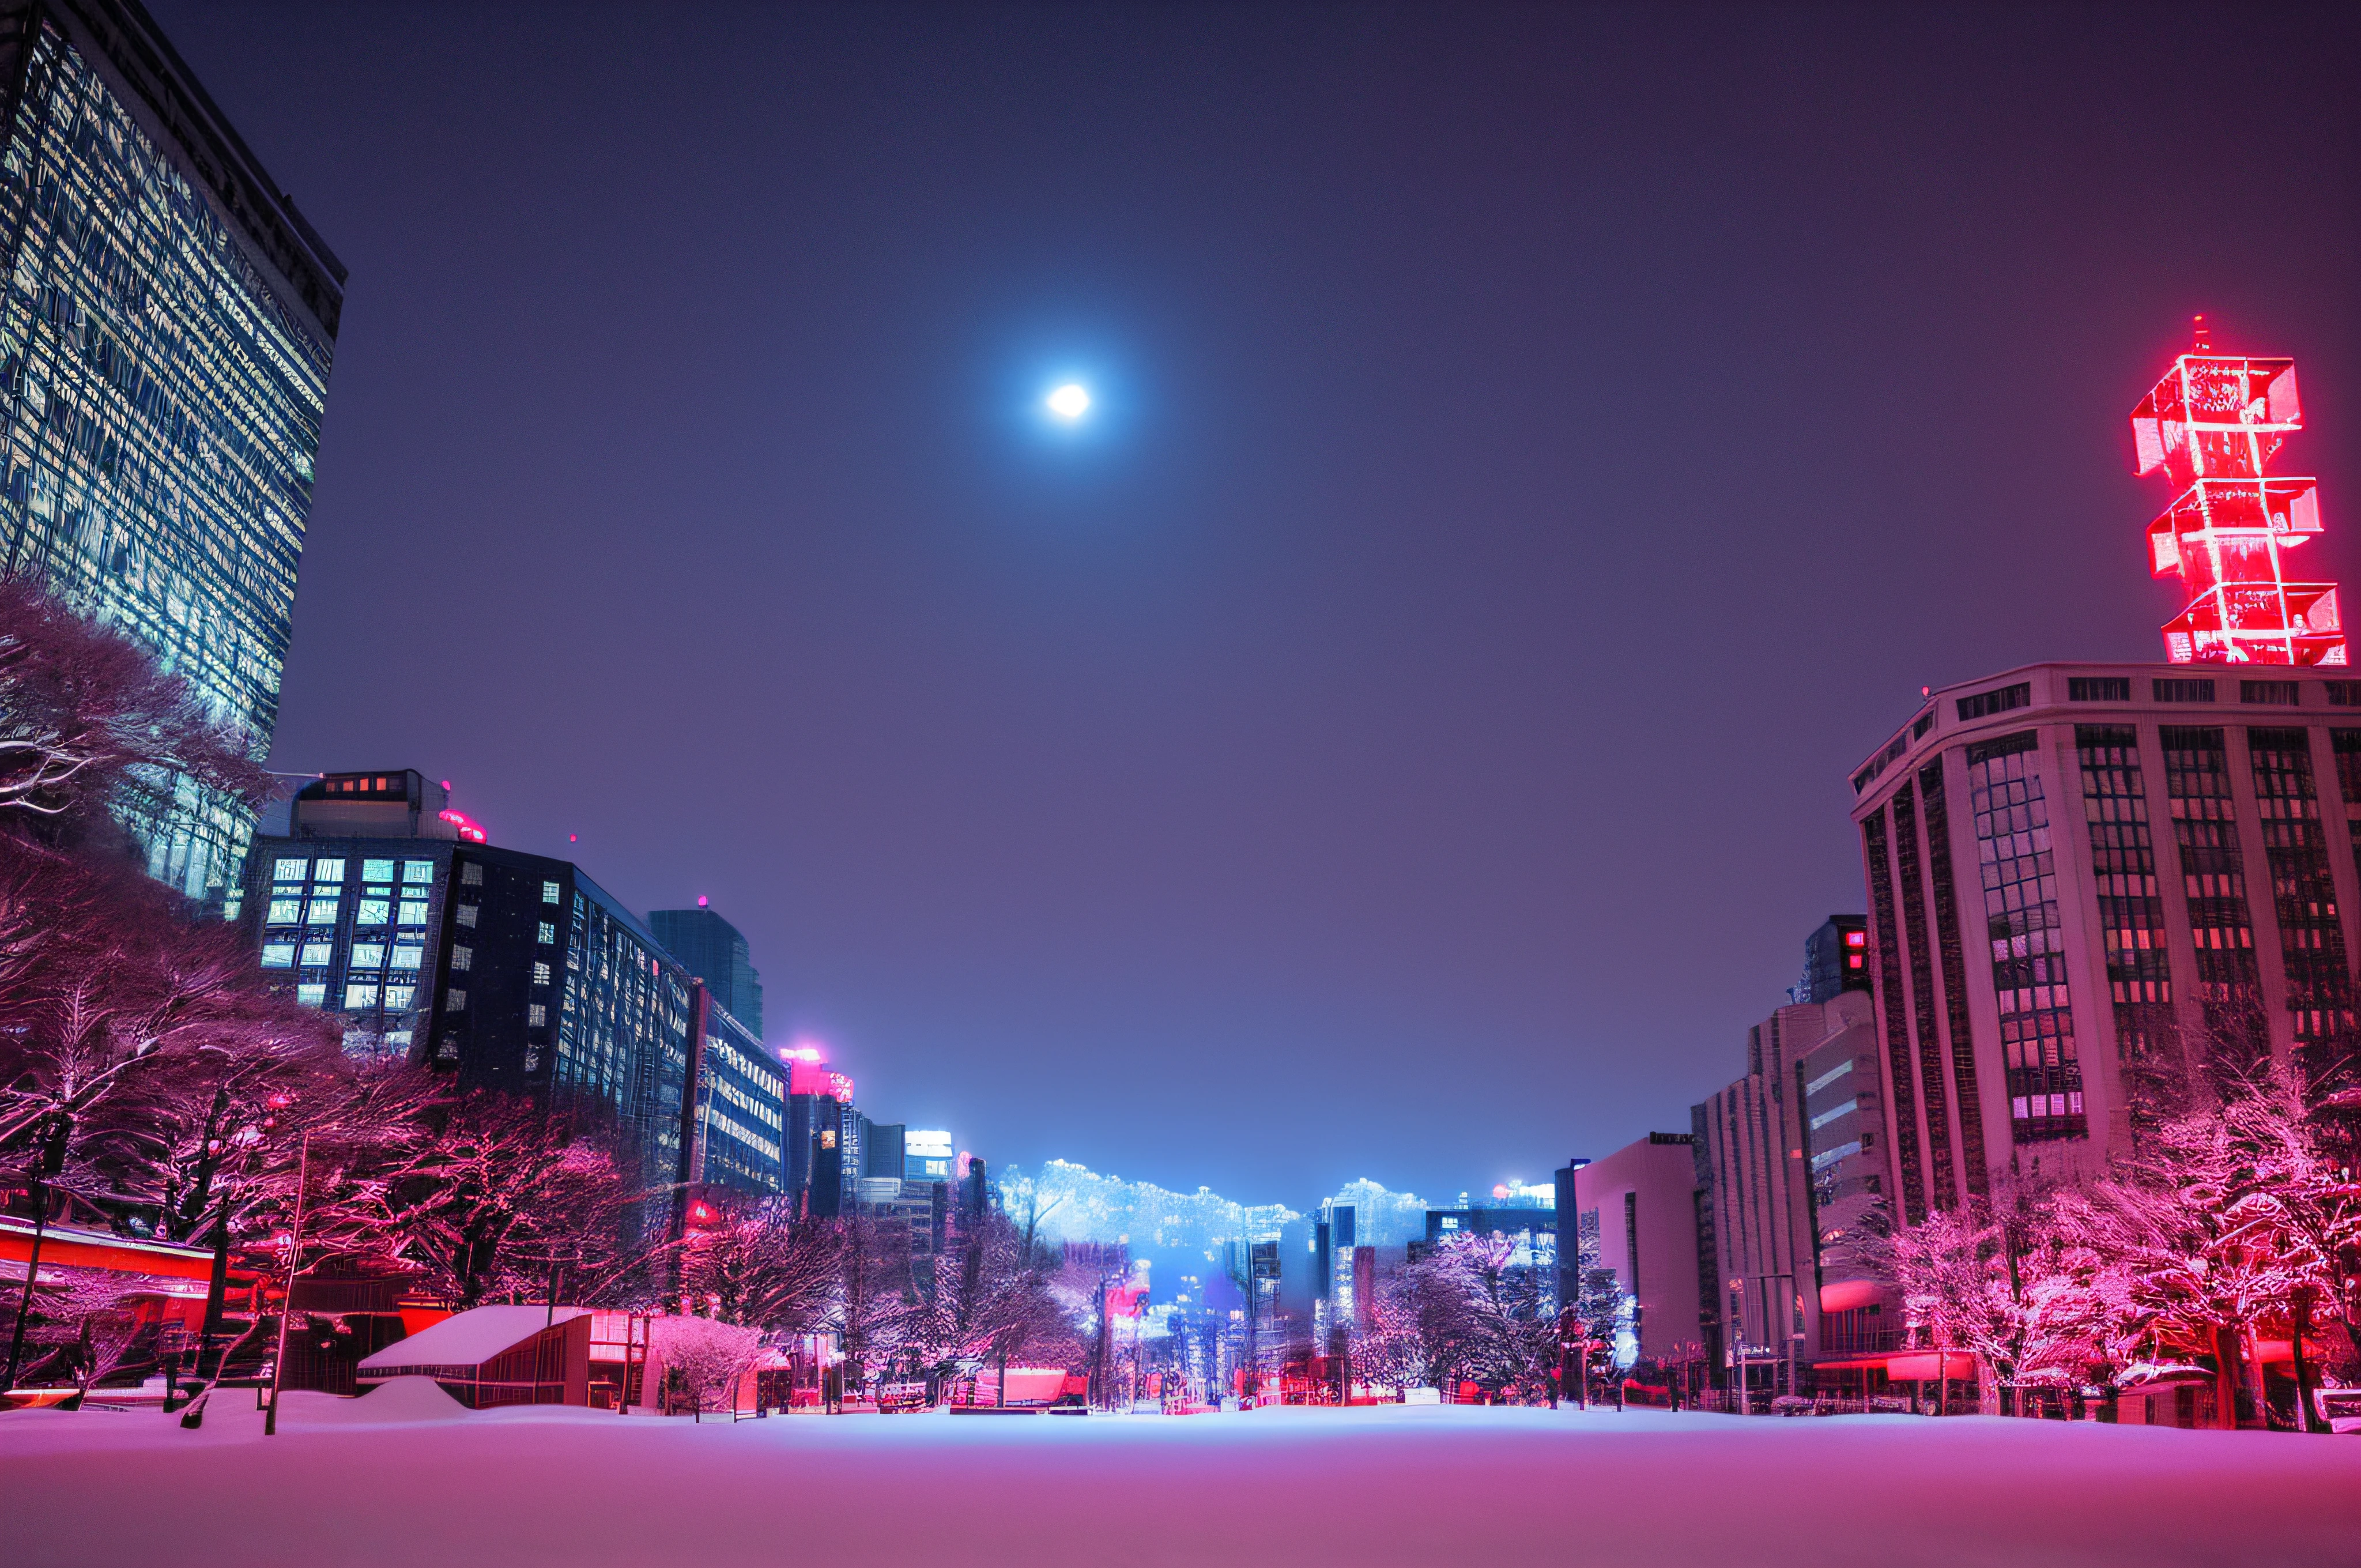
[{"x": 469, "y": 1338}]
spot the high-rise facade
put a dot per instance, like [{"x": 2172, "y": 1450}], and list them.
[
  {"x": 712, "y": 950},
  {"x": 1790, "y": 1165},
  {"x": 167, "y": 322},
  {"x": 1836, "y": 958},
  {"x": 2087, "y": 881}
]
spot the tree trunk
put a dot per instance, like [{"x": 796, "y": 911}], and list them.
[{"x": 2225, "y": 1378}]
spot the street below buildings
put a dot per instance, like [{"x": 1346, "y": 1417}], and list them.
[{"x": 343, "y": 1484}]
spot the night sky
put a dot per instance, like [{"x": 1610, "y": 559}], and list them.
[{"x": 1404, "y": 734}]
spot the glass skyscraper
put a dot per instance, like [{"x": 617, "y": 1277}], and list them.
[
  {"x": 711, "y": 948},
  {"x": 167, "y": 320}
]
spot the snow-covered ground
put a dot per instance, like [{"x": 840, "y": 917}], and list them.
[{"x": 405, "y": 1477}]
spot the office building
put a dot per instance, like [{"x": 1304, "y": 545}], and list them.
[
  {"x": 2164, "y": 882},
  {"x": 710, "y": 948},
  {"x": 824, "y": 1165},
  {"x": 737, "y": 1120},
  {"x": 1790, "y": 1165},
  {"x": 169, "y": 325},
  {"x": 2088, "y": 882},
  {"x": 510, "y": 971},
  {"x": 1529, "y": 1228},
  {"x": 1640, "y": 1203},
  {"x": 1836, "y": 958}
]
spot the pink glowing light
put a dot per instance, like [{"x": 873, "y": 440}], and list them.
[
  {"x": 2213, "y": 425},
  {"x": 467, "y": 825}
]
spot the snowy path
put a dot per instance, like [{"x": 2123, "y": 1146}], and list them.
[{"x": 1368, "y": 1487}]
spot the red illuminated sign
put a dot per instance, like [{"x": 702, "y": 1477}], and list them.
[
  {"x": 2212, "y": 424},
  {"x": 466, "y": 827}
]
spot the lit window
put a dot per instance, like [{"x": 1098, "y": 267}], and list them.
[
  {"x": 396, "y": 997},
  {"x": 317, "y": 954},
  {"x": 285, "y": 912},
  {"x": 549, "y": 892},
  {"x": 471, "y": 875},
  {"x": 377, "y": 871},
  {"x": 413, "y": 913},
  {"x": 417, "y": 871},
  {"x": 467, "y": 915},
  {"x": 327, "y": 870},
  {"x": 541, "y": 975},
  {"x": 323, "y": 912},
  {"x": 454, "y": 1001},
  {"x": 278, "y": 954},
  {"x": 372, "y": 912},
  {"x": 548, "y": 933},
  {"x": 462, "y": 958},
  {"x": 289, "y": 871},
  {"x": 368, "y": 955},
  {"x": 537, "y": 1015},
  {"x": 360, "y": 996},
  {"x": 312, "y": 995},
  {"x": 407, "y": 954}
]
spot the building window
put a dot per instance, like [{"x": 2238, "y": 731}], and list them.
[
  {"x": 2028, "y": 960},
  {"x": 368, "y": 955},
  {"x": 2344, "y": 694},
  {"x": 2303, "y": 891},
  {"x": 537, "y": 1015},
  {"x": 2213, "y": 882},
  {"x": 2131, "y": 902},
  {"x": 454, "y": 1001},
  {"x": 2280, "y": 692},
  {"x": 289, "y": 871},
  {"x": 358, "y": 997},
  {"x": 323, "y": 911},
  {"x": 1983, "y": 705},
  {"x": 467, "y": 915},
  {"x": 417, "y": 871},
  {"x": 471, "y": 875},
  {"x": 549, "y": 892},
  {"x": 2183, "y": 691},
  {"x": 377, "y": 871},
  {"x": 406, "y": 955},
  {"x": 397, "y": 998},
  {"x": 1923, "y": 723},
  {"x": 548, "y": 933},
  {"x": 541, "y": 975},
  {"x": 463, "y": 959},
  {"x": 414, "y": 912},
  {"x": 318, "y": 955},
  {"x": 2098, "y": 688},
  {"x": 311, "y": 993},
  {"x": 331, "y": 872},
  {"x": 285, "y": 912},
  {"x": 278, "y": 954}
]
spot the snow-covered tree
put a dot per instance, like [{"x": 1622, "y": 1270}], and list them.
[
  {"x": 765, "y": 1266},
  {"x": 703, "y": 1359},
  {"x": 91, "y": 725}
]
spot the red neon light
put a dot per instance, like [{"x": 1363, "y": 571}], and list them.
[
  {"x": 467, "y": 826},
  {"x": 2212, "y": 424}
]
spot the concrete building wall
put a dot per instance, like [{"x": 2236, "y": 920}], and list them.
[{"x": 1645, "y": 1197}]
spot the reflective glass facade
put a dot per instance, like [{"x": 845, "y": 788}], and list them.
[
  {"x": 2131, "y": 904},
  {"x": 166, "y": 327}
]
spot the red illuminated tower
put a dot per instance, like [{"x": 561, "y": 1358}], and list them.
[{"x": 2213, "y": 425}]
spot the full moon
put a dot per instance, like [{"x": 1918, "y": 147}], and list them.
[{"x": 1070, "y": 402}]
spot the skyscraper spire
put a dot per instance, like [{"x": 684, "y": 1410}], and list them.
[{"x": 2212, "y": 424}]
